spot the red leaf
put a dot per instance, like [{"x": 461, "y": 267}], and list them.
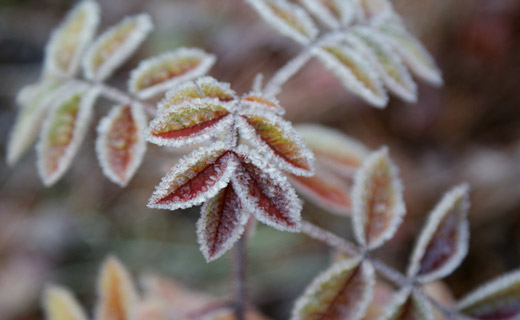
[
  {"x": 265, "y": 191},
  {"x": 221, "y": 224}
]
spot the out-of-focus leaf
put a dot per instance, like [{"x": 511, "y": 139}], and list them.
[
  {"x": 355, "y": 72},
  {"x": 64, "y": 130},
  {"x": 206, "y": 87},
  {"x": 443, "y": 242},
  {"x": 498, "y": 299},
  {"x": 333, "y": 148},
  {"x": 373, "y": 8},
  {"x": 408, "y": 305},
  {"x": 120, "y": 144},
  {"x": 117, "y": 295},
  {"x": 342, "y": 292},
  {"x": 112, "y": 48},
  {"x": 393, "y": 72},
  {"x": 196, "y": 178},
  {"x": 414, "y": 55},
  {"x": 286, "y": 17},
  {"x": 333, "y": 13},
  {"x": 377, "y": 200},
  {"x": 70, "y": 39},
  {"x": 221, "y": 223},
  {"x": 192, "y": 122},
  {"x": 257, "y": 101},
  {"x": 60, "y": 304},
  {"x": 35, "y": 101},
  {"x": 265, "y": 191},
  {"x": 161, "y": 73},
  {"x": 277, "y": 138}
]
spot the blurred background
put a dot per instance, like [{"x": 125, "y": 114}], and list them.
[{"x": 468, "y": 130}]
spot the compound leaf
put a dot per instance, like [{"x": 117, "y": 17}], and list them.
[
  {"x": 257, "y": 101},
  {"x": 64, "y": 130},
  {"x": 407, "y": 305},
  {"x": 497, "y": 299},
  {"x": 443, "y": 242},
  {"x": 117, "y": 294},
  {"x": 196, "y": 178},
  {"x": 60, "y": 304},
  {"x": 120, "y": 144},
  {"x": 112, "y": 48},
  {"x": 277, "y": 138},
  {"x": 192, "y": 122},
  {"x": 377, "y": 200},
  {"x": 70, "y": 39},
  {"x": 333, "y": 13},
  {"x": 286, "y": 17},
  {"x": 354, "y": 71},
  {"x": 158, "y": 74},
  {"x": 266, "y": 192},
  {"x": 221, "y": 223},
  {"x": 344, "y": 291}
]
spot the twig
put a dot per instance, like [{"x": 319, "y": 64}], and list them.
[
  {"x": 239, "y": 277},
  {"x": 274, "y": 86}
]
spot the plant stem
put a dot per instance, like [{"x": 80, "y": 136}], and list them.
[
  {"x": 274, "y": 86},
  {"x": 384, "y": 270},
  {"x": 239, "y": 277}
]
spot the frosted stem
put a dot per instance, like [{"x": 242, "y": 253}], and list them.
[
  {"x": 239, "y": 277},
  {"x": 274, "y": 86}
]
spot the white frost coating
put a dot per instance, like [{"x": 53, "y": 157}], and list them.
[
  {"x": 377, "y": 98},
  {"x": 490, "y": 288},
  {"x": 346, "y": 10},
  {"x": 363, "y": 301},
  {"x": 53, "y": 50},
  {"x": 82, "y": 122},
  {"x": 257, "y": 105},
  {"x": 122, "y": 52},
  {"x": 286, "y": 200},
  {"x": 67, "y": 300},
  {"x": 183, "y": 169},
  {"x": 361, "y": 191},
  {"x": 400, "y": 298},
  {"x": 369, "y": 43},
  {"x": 34, "y": 100},
  {"x": 323, "y": 140},
  {"x": 263, "y": 9},
  {"x": 138, "y": 150},
  {"x": 249, "y": 133},
  {"x": 456, "y": 196},
  {"x": 206, "y": 62},
  {"x": 202, "y": 135},
  {"x": 394, "y": 32},
  {"x": 236, "y": 232}
]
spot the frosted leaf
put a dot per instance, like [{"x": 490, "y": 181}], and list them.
[
  {"x": 497, "y": 299},
  {"x": 414, "y": 55},
  {"x": 117, "y": 297},
  {"x": 63, "y": 131},
  {"x": 221, "y": 223},
  {"x": 326, "y": 189},
  {"x": 377, "y": 200},
  {"x": 393, "y": 72},
  {"x": 60, "y": 304},
  {"x": 443, "y": 242},
  {"x": 120, "y": 144},
  {"x": 407, "y": 305},
  {"x": 265, "y": 191},
  {"x": 275, "y": 137},
  {"x": 256, "y": 100},
  {"x": 196, "y": 178},
  {"x": 344, "y": 291},
  {"x": 333, "y": 148},
  {"x": 354, "y": 71},
  {"x": 286, "y": 17},
  {"x": 373, "y": 8},
  {"x": 68, "y": 42},
  {"x": 192, "y": 122},
  {"x": 206, "y": 87},
  {"x": 333, "y": 13},
  {"x": 158, "y": 74},
  {"x": 112, "y": 48},
  {"x": 35, "y": 101}
]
